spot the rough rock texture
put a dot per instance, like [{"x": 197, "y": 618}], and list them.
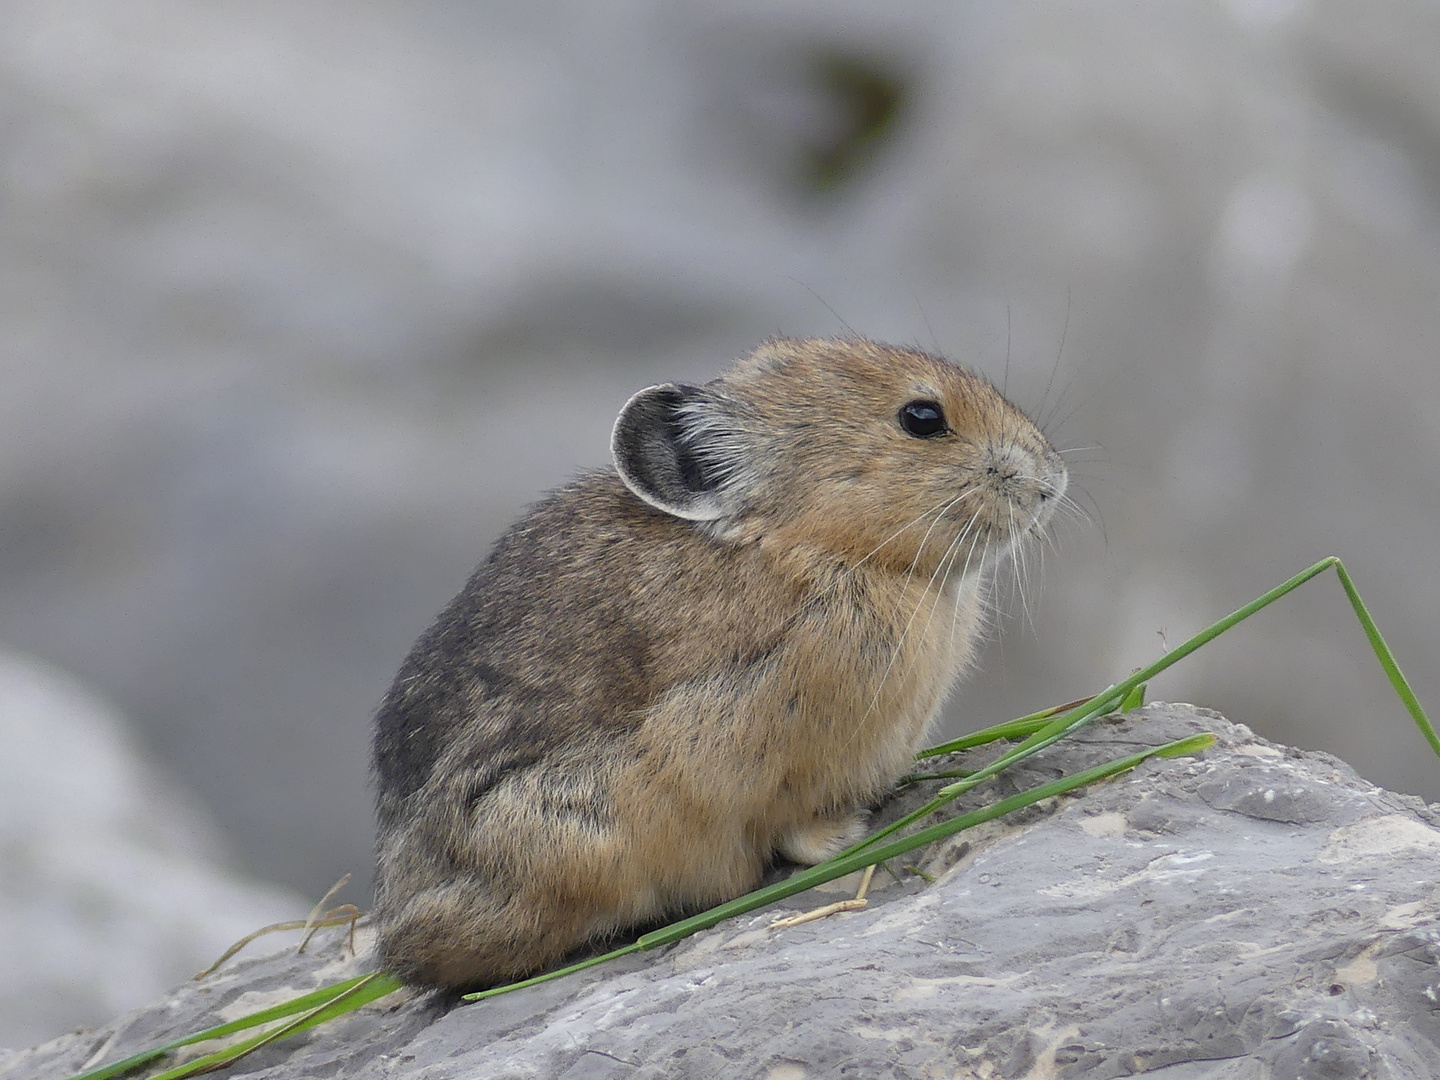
[
  {"x": 1256, "y": 912},
  {"x": 114, "y": 881}
]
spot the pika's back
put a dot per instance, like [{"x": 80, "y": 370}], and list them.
[{"x": 583, "y": 611}]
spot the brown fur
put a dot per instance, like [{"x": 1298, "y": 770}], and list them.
[{"x": 628, "y": 712}]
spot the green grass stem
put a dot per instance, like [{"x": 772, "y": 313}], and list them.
[
  {"x": 305, "y": 1003},
  {"x": 1133, "y": 700},
  {"x": 1129, "y": 692},
  {"x": 1387, "y": 659},
  {"x": 535, "y": 980},
  {"x": 360, "y": 992},
  {"x": 1018, "y": 728}
]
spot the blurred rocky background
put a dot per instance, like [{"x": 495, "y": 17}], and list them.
[
  {"x": 301, "y": 302},
  {"x": 115, "y": 882}
]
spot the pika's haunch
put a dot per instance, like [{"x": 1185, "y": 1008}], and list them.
[{"x": 721, "y": 649}]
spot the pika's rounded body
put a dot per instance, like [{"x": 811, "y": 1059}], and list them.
[{"x": 724, "y": 648}]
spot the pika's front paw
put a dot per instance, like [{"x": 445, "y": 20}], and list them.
[{"x": 823, "y": 838}]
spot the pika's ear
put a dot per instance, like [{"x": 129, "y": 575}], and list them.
[{"x": 662, "y": 446}]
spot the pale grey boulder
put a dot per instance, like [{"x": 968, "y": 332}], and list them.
[
  {"x": 115, "y": 882},
  {"x": 1253, "y": 912}
]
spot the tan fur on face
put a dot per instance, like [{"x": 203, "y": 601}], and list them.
[
  {"x": 626, "y": 714},
  {"x": 835, "y": 470}
]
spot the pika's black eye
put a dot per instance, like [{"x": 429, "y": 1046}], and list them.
[{"x": 923, "y": 419}]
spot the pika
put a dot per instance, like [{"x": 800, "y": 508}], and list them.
[{"x": 722, "y": 649}]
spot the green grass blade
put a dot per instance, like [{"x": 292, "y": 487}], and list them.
[
  {"x": 1018, "y": 728},
  {"x": 1133, "y": 700},
  {"x": 845, "y": 864},
  {"x": 304, "y": 1003},
  {"x": 1215, "y": 629},
  {"x": 1051, "y": 731},
  {"x": 1123, "y": 692},
  {"x": 1065, "y": 724},
  {"x": 134, "y": 1061},
  {"x": 1377, "y": 643},
  {"x": 1125, "y": 689},
  {"x": 1039, "y": 726},
  {"x": 1387, "y": 659},
  {"x": 1043, "y": 732},
  {"x": 361, "y": 992},
  {"x": 950, "y": 774},
  {"x": 613, "y": 954}
]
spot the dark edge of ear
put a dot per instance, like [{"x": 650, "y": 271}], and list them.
[{"x": 655, "y": 460}]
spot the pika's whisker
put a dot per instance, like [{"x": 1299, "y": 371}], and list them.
[
  {"x": 940, "y": 568},
  {"x": 924, "y": 540},
  {"x": 938, "y": 509},
  {"x": 961, "y": 583}
]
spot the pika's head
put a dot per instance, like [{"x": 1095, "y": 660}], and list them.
[{"x": 859, "y": 449}]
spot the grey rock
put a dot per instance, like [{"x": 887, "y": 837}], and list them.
[
  {"x": 1255, "y": 912},
  {"x": 114, "y": 881}
]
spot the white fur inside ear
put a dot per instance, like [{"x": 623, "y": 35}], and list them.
[{"x": 655, "y": 459}]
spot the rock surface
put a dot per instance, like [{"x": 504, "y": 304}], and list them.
[
  {"x": 114, "y": 881},
  {"x": 1256, "y": 912}
]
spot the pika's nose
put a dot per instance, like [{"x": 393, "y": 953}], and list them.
[
  {"x": 1007, "y": 463},
  {"x": 1026, "y": 478}
]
